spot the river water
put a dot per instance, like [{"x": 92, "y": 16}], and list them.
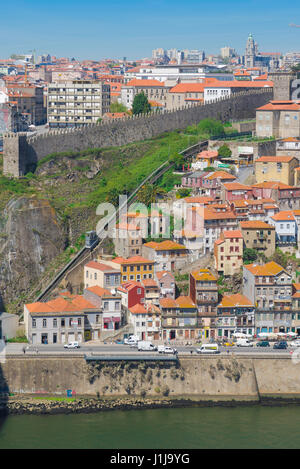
[{"x": 201, "y": 427}]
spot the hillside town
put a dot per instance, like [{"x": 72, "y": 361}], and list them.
[
  {"x": 231, "y": 266},
  {"x": 60, "y": 92}
]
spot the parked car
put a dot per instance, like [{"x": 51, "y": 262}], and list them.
[
  {"x": 72, "y": 345},
  {"x": 280, "y": 345},
  {"x": 263, "y": 343},
  {"x": 244, "y": 343},
  {"x": 295, "y": 343},
  {"x": 133, "y": 339},
  {"x": 166, "y": 349}
]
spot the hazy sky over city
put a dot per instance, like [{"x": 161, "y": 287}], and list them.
[{"x": 96, "y": 29}]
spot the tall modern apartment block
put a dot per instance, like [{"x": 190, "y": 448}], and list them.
[{"x": 76, "y": 103}]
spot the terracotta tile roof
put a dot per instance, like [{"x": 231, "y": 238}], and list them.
[
  {"x": 138, "y": 309},
  {"x": 284, "y": 216},
  {"x": 102, "y": 292},
  {"x": 231, "y": 301},
  {"x": 127, "y": 226},
  {"x": 281, "y": 106},
  {"x": 149, "y": 282},
  {"x": 233, "y": 186},
  {"x": 203, "y": 275},
  {"x": 256, "y": 225},
  {"x": 132, "y": 260},
  {"x": 168, "y": 303},
  {"x": 232, "y": 234},
  {"x": 212, "y": 214},
  {"x": 185, "y": 302},
  {"x": 199, "y": 200},
  {"x": 145, "y": 83},
  {"x": 271, "y": 268},
  {"x": 100, "y": 266},
  {"x": 188, "y": 88},
  {"x": 241, "y": 84},
  {"x": 162, "y": 273},
  {"x": 164, "y": 245},
  {"x": 272, "y": 185},
  {"x": 73, "y": 304},
  {"x": 274, "y": 159},
  {"x": 207, "y": 154},
  {"x": 220, "y": 175},
  {"x": 127, "y": 286}
]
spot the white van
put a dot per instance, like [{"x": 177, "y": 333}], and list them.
[
  {"x": 244, "y": 343},
  {"x": 72, "y": 345},
  {"x": 131, "y": 340},
  {"x": 208, "y": 348},
  {"x": 146, "y": 346}
]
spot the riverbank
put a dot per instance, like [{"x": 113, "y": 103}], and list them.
[{"x": 53, "y": 405}]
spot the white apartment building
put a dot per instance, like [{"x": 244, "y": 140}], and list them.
[{"x": 76, "y": 103}]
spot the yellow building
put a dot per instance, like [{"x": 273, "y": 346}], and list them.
[
  {"x": 135, "y": 268},
  {"x": 276, "y": 168},
  {"x": 228, "y": 252}
]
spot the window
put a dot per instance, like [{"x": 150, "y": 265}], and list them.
[
  {"x": 44, "y": 322},
  {"x": 95, "y": 276},
  {"x": 105, "y": 305},
  {"x": 62, "y": 323},
  {"x": 54, "y": 322},
  {"x": 33, "y": 322}
]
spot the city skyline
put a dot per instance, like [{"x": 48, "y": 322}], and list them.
[{"x": 128, "y": 29}]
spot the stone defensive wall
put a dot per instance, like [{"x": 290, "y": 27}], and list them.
[
  {"x": 21, "y": 153},
  {"x": 219, "y": 378}
]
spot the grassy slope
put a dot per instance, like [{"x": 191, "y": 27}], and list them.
[{"x": 75, "y": 200}]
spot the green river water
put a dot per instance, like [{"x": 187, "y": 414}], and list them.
[{"x": 201, "y": 427}]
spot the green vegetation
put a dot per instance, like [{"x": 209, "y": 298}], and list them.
[
  {"x": 118, "y": 107},
  {"x": 249, "y": 255},
  {"x": 18, "y": 339},
  {"x": 206, "y": 128},
  {"x": 224, "y": 151},
  {"x": 178, "y": 161},
  {"x": 148, "y": 193},
  {"x": 141, "y": 104},
  {"x": 181, "y": 193}
]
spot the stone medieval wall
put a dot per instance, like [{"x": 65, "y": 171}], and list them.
[{"x": 127, "y": 130}]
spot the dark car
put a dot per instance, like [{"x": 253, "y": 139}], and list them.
[
  {"x": 263, "y": 343},
  {"x": 280, "y": 345}
]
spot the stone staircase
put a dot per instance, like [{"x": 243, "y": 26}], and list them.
[{"x": 115, "y": 335}]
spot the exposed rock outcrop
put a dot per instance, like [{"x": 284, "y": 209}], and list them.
[{"x": 31, "y": 235}]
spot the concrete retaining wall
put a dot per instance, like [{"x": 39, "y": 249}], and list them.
[{"x": 199, "y": 378}]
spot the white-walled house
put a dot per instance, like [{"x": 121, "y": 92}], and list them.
[{"x": 286, "y": 228}]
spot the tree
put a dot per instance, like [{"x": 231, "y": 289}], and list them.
[
  {"x": 249, "y": 255},
  {"x": 178, "y": 160},
  {"x": 224, "y": 151},
  {"x": 118, "y": 107},
  {"x": 184, "y": 192},
  {"x": 148, "y": 193},
  {"x": 141, "y": 104},
  {"x": 211, "y": 127}
]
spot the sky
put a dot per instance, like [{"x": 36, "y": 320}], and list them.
[{"x": 97, "y": 29}]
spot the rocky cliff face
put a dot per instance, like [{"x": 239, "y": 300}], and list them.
[{"x": 31, "y": 235}]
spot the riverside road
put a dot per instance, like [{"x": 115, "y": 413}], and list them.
[{"x": 119, "y": 350}]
